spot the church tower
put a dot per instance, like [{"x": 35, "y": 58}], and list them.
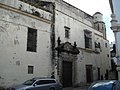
[{"x": 99, "y": 23}]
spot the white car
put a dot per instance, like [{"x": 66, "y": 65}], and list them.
[{"x": 38, "y": 84}]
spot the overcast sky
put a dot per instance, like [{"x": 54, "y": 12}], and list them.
[{"x": 92, "y": 6}]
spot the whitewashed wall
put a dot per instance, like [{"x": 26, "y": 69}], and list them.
[
  {"x": 13, "y": 46},
  {"x": 116, "y": 8},
  {"x": 118, "y": 42},
  {"x": 69, "y": 16}
]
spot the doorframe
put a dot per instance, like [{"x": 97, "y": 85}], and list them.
[
  {"x": 98, "y": 73},
  {"x": 71, "y": 70},
  {"x": 69, "y": 58},
  {"x": 89, "y": 66}
]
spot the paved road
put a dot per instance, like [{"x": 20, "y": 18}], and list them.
[{"x": 75, "y": 88}]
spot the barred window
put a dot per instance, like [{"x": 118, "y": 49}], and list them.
[
  {"x": 88, "y": 39},
  {"x": 30, "y": 69},
  {"x": 32, "y": 40}
]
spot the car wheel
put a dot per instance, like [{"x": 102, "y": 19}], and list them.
[{"x": 52, "y": 88}]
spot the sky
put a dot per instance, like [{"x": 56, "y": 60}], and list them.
[{"x": 92, "y": 6}]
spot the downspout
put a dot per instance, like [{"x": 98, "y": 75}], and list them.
[{"x": 53, "y": 38}]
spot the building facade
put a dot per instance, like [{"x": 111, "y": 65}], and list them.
[
  {"x": 75, "y": 29},
  {"x": 25, "y": 42},
  {"x": 43, "y": 37},
  {"x": 115, "y": 26}
]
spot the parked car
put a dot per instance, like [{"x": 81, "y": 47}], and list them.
[
  {"x": 105, "y": 85},
  {"x": 38, "y": 84}
]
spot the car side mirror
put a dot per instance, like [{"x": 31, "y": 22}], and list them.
[{"x": 35, "y": 85}]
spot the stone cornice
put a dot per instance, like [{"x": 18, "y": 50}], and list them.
[
  {"x": 24, "y": 13},
  {"x": 116, "y": 28},
  {"x": 114, "y": 23}
]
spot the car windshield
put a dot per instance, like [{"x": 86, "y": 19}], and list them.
[{"x": 29, "y": 82}]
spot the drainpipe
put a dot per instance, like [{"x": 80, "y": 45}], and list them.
[{"x": 53, "y": 38}]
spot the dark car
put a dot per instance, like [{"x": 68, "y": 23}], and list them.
[
  {"x": 105, "y": 85},
  {"x": 38, "y": 84}
]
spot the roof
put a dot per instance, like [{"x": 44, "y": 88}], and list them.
[
  {"x": 48, "y": 78},
  {"x": 98, "y": 13}
]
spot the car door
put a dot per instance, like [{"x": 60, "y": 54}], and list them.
[
  {"x": 44, "y": 85},
  {"x": 50, "y": 84},
  {"x": 39, "y": 85}
]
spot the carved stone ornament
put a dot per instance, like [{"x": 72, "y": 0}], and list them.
[{"x": 68, "y": 48}]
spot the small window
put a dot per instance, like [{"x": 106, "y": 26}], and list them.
[
  {"x": 67, "y": 32},
  {"x": 98, "y": 27},
  {"x": 106, "y": 45},
  {"x": 30, "y": 69},
  {"x": 32, "y": 40}
]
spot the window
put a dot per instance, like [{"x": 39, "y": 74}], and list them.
[
  {"x": 98, "y": 27},
  {"x": 32, "y": 40},
  {"x": 40, "y": 82},
  {"x": 45, "y": 82},
  {"x": 29, "y": 82},
  {"x": 30, "y": 69},
  {"x": 67, "y": 32},
  {"x": 50, "y": 81},
  {"x": 88, "y": 39},
  {"x": 97, "y": 45},
  {"x": 106, "y": 45}
]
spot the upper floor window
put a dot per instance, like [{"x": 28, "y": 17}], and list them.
[
  {"x": 67, "y": 32},
  {"x": 98, "y": 27},
  {"x": 32, "y": 40},
  {"x": 97, "y": 45},
  {"x": 88, "y": 39},
  {"x": 106, "y": 45}
]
